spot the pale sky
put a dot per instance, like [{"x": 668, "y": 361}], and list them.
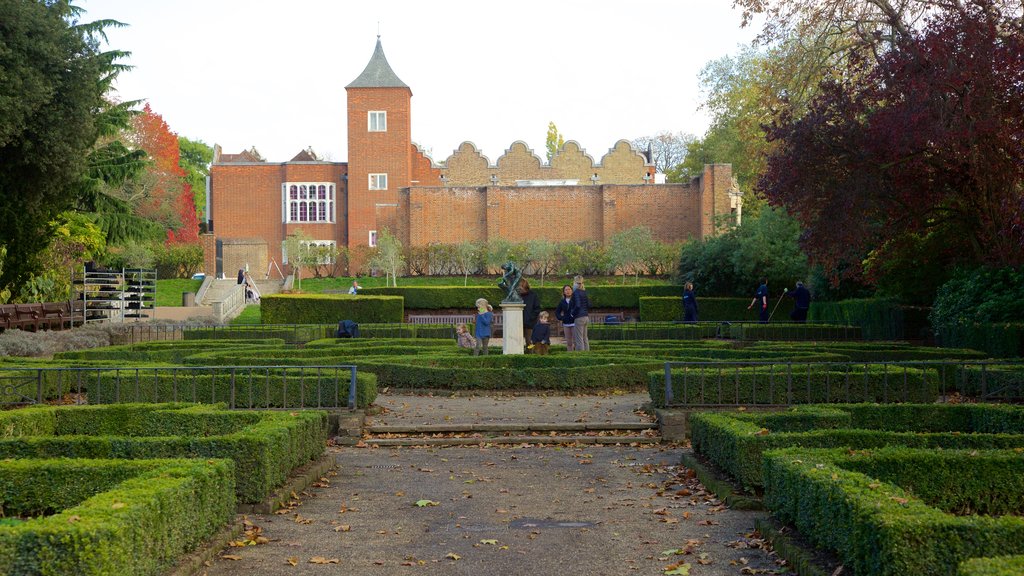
[{"x": 272, "y": 74}]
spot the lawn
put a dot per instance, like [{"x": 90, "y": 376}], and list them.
[
  {"x": 315, "y": 285},
  {"x": 251, "y": 315},
  {"x": 168, "y": 292}
]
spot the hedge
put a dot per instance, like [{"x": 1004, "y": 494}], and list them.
[
  {"x": 112, "y": 516},
  {"x": 651, "y": 331},
  {"x": 455, "y": 297},
  {"x": 163, "y": 350},
  {"x": 880, "y": 319},
  {"x": 779, "y": 331},
  {"x": 330, "y": 309},
  {"x": 998, "y": 382},
  {"x": 736, "y": 441},
  {"x": 859, "y": 504},
  {"x": 874, "y": 352},
  {"x": 1002, "y": 340},
  {"x": 255, "y": 387},
  {"x": 265, "y": 446},
  {"x": 998, "y": 566},
  {"x": 291, "y": 334},
  {"x": 668, "y": 309}
]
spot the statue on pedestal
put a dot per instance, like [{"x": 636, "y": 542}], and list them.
[{"x": 510, "y": 282}]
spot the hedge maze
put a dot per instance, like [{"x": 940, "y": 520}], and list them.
[{"x": 892, "y": 489}]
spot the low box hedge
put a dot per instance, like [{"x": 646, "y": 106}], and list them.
[
  {"x": 297, "y": 386},
  {"x": 651, "y": 331},
  {"x": 737, "y": 441},
  {"x": 878, "y": 318},
  {"x": 290, "y": 333},
  {"x": 163, "y": 350},
  {"x": 1001, "y": 340},
  {"x": 330, "y": 308},
  {"x": 455, "y": 297},
  {"x": 102, "y": 517},
  {"x": 897, "y": 511},
  {"x": 265, "y": 446},
  {"x": 781, "y": 331},
  {"x": 803, "y": 383},
  {"x": 669, "y": 309},
  {"x": 998, "y": 566}
]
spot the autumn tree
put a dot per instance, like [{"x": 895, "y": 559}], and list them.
[
  {"x": 923, "y": 149},
  {"x": 668, "y": 149},
  {"x": 553, "y": 142}
]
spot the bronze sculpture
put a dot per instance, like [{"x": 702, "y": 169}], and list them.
[{"x": 510, "y": 282}]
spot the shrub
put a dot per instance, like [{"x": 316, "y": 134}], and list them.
[
  {"x": 879, "y": 319},
  {"x": 860, "y": 504},
  {"x": 663, "y": 308},
  {"x": 112, "y": 516},
  {"x": 998, "y": 566},
  {"x": 456, "y": 297},
  {"x": 794, "y": 332},
  {"x": 329, "y": 309}
]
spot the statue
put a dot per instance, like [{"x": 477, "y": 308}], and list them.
[{"x": 510, "y": 282}]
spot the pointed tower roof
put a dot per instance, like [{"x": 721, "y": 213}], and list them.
[{"x": 378, "y": 73}]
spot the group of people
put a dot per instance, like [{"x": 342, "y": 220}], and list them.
[
  {"x": 252, "y": 293},
  {"x": 800, "y": 295},
  {"x": 573, "y": 311}
]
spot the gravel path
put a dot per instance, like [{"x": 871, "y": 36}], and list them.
[{"x": 586, "y": 511}]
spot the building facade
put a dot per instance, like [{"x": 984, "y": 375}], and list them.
[{"x": 389, "y": 182}]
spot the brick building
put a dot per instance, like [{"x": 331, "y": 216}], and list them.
[{"x": 389, "y": 182}]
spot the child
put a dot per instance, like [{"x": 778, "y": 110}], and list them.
[
  {"x": 483, "y": 326},
  {"x": 541, "y": 335},
  {"x": 464, "y": 338}
]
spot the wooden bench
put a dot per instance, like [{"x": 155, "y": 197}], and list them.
[
  {"x": 28, "y": 315},
  {"x": 56, "y": 315}
]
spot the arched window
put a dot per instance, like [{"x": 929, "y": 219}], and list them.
[
  {"x": 303, "y": 212},
  {"x": 322, "y": 192},
  {"x": 293, "y": 193},
  {"x": 308, "y": 202}
]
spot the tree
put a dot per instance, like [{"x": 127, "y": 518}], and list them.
[
  {"x": 554, "y": 141},
  {"x": 54, "y": 79},
  {"x": 668, "y": 150},
  {"x": 194, "y": 158},
  {"x": 544, "y": 255},
  {"x": 388, "y": 256},
  {"x": 927, "y": 142},
  {"x": 467, "y": 259},
  {"x": 629, "y": 249}
]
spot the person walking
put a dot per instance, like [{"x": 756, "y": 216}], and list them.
[
  {"x": 355, "y": 288},
  {"x": 761, "y": 299},
  {"x": 565, "y": 314},
  {"x": 482, "y": 329},
  {"x": 531, "y": 308},
  {"x": 689, "y": 303},
  {"x": 802, "y": 299},
  {"x": 581, "y": 306}
]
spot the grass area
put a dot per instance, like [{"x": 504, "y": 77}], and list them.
[
  {"x": 315, "y": 285},
  {"x": 168, "y": 292},
  {"x": 251, "y": 315}
]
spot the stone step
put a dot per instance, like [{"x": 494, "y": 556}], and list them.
[
  {"x": 507, "y": 440},
  {"x": 509, "y": 427}
]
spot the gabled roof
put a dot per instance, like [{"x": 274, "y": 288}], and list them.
[
  {"x": 244, "y": 156},
  {"x": 378, "y": 73},
  {"x": 306, "y": 155}
]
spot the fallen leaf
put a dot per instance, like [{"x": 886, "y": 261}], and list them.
[
  {"x": 424, "y": 503},
  {"x": 453, "y": 556},
  {"x": 491, "y": 542},
  {"x": 683, "y": 569},
  {"x": 342, "y": 528},
  {"x": 322, "y": 560},
  {"x": 293, "y": 560},
  {"x": 231, "y": 557}
]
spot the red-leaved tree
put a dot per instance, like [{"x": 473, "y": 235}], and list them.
[{"x": 924, "y": 148}]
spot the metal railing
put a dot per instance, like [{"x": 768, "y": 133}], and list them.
[
  {"x": 240, "y": 387},
  {"x": 773, "y": 383}
]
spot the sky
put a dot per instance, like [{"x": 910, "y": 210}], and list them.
[{"x": 272, "y": 74}]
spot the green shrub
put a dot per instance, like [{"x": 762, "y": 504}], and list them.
[
  {"x": 841, "y": 501},
  {"x": 794, "y": 332},
  {"x": 329, "y": 309},
  {"x": 463, "y": 297},
  {"x": 1000, "y": 340},
  {"x": 265, "y": 446},
  {"x": 651, "y": 331},
  {"x": 111, "y": 516},
  {"x": 660, "y": 309},
  {"x": 803, "y": 383},
  {"x": 878, "y": 319},
  {"x": 295, "y": 334},
  {"x": 998, "y": 566}
]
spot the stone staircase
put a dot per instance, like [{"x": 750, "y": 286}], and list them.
[
  {"x": 630, "y": 433},
  {"x": 222, "y": 294}
]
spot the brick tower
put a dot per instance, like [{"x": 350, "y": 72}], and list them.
[{"x": 379, "y": 147}]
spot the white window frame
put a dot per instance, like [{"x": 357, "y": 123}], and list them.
[
  {"x": 306, "y": 244},
  {"x": 377, "y": 179},
  {"x": 373, "y": 238},
  {"x": 377, "y": 121},
  {"x": 308, "y": 193}
]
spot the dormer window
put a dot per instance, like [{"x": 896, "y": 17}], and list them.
[{"x": 377, "y": 121}]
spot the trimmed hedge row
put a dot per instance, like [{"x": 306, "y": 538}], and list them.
[
  {"x": 794, "y": 332},
  {"x": 330, "y": 308},
  {"x": 1001, "y": 340},
  {"x": 998, "y": 566},
  {"x": 879, "y": 319},
  {"x": 265, "y": 446},
  {"x": 112, "y": 516},
  {"x": 810, "y": 384},
  {"x": 291, "y": 334},
  {"x": 669, "y": 309},
  {"x": 875, "y": 352},
  {"x": 737, "y": 441},
  {"x": 164, "y": 350},
  {"x": 651, "y": 331},
  {"x": 454, "y": 297},
  {"x": 846, "y": 501}
]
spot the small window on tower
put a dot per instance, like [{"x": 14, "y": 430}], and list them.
[
  {"x": 373, "y": 238},
  {"x": 378, "y": 181},
  {"x": 378, "y": 121}
]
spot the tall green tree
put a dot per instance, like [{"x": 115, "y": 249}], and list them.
[
  {"x": 54, "y": 79},
  {"x": 195, "y": 160},
  {"x": 553, "y": 142}
]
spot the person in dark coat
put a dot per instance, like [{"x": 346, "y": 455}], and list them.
[
  {"x": 241, "y": 276},
  {"x": 567, "y": 316},
  {"x": 761, "y": 299},
  {"x": 802, "y": 299},
  {"x": 347, "y": 329},
  {"x": 689, "y": 303},
  {"x": 541, "y": 336},
  {"x": 484, "y": 319},
  {"x": 581, "y": 310},
  {"x": 531, "y": 308}
]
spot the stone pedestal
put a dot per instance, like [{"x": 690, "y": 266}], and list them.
[{"x": 513, "y": 341}]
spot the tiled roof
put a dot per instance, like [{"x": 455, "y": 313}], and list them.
[
  {"x": 304, "y": 156},
  {"x": 378, "y": 73},
  {"x": 245, "y": 156}
]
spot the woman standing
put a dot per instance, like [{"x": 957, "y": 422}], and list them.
[
  {"x": 689, "y": 303},
  {"x": 581, "y": 313},
  {"x": 531, "y": 308},
  {"x": 484, "y": 317},
  {"x": 566, "y": 316}
]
